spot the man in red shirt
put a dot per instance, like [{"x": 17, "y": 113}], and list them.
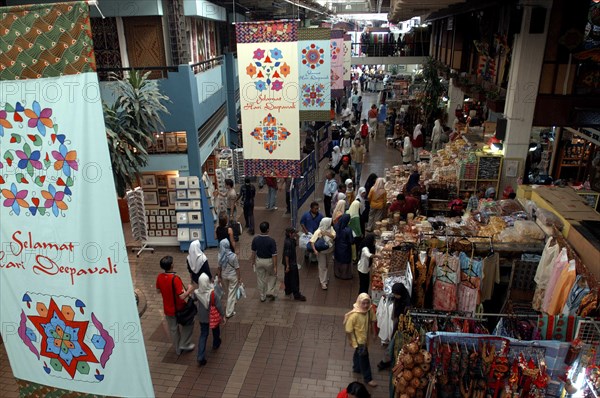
[
  {"x": 364, "y": 133},
  {"x": 167, "y": 284},
  {"x": 404, "y": 205}
]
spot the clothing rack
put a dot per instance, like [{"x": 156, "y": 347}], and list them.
[
  {"x": 465, "y": 318},
  {"x": 531, "y": 316},
  {"x": 579, "y": 265}
]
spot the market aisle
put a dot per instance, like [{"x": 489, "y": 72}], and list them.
[{"x": 272, "y": 349}]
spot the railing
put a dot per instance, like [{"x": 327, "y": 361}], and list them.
[
  {"x": 206, "y": 65},
  {"x": 156, "y": 72},
  {"x": 390, "y": 49}
]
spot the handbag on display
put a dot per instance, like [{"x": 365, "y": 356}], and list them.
[
  {"x": 214, "y": 317},
  {"x": 186, "y": 315}
]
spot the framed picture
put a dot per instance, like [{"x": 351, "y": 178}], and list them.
[
  {"x": 172, "y": 198},
  {"x": 160, "y": 144},
  {"x": 162, "y": 212},
  {"x": 171, "y": 143},
  {"x": 181, "y": 140},
  {"x": 173, "y": 219},
  {"x": 183, "y": 234},
  {"x": 160, "y": 226},
  {"x": 167, "y": 226},
  {"x": 158, "y": 233},
  {"x": 182, "y": 218},
  {"x": 193, "y": 194},
  {"x": 151, "y": 233},
  {"x": 194, "y": 217},
  {"x": 173, "y": 232},
  {"x": 512, "y": 167},
  {"x": 151, "y": 198},
  {"x": 196, "y": 205},
  {"x": 210, "y": 166},
  {"x": 161, "y": 181},
  {"x": 152, "y": 219},
  {"x": 154, "y": 212},
  {"x": 172, "y": 181},
  {"x": 159, "y": 219},
  {"x": 195, "y": 234},
  {"x": 183, "y": 205},
  {"x": 163, "y": 200},
  {"x": 193, "y": 182},
  {"x": 182, "y": 182},
  {"x": 162, "y": 191},
  {"x": 181, "y": 194},
  {"x": 152, "y": 226},
  {"x": 146, "y": 212},
  {"x": 172, "y": 212},
  {"x": 148, "y": 181}
]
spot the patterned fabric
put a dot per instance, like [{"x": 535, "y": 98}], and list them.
[
  {"x": 266, "y": 31},
  {"x": 444, "y": 296},
  {"x": 45, "y": 41},
  {"x": 314, "y": 34},
  {"x": 274, "y": 167}
]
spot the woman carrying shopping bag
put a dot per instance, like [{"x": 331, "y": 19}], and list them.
[
  {"x": 210, "y": 315},
  {"x": 357, "y": 323},
  {"x": 229, "y": 272},
  {"x": 325, "y": 234}
]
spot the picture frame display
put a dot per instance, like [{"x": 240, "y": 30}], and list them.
[
  {"x": 148, "y": 181},
  {"x": 183, "y": 234},
  {"x": 181, "y": 194},
  {"x": 172, "y": 198},
  {"x": 193, "y": 194},
  {"x": 195, "y": 234},
  {"x": 161, "y": 181},
  {"x": 171, "y": 181},
  {"x": 196, "y": 205},
  {"x": 182, "y": 182},
  {"x": 182, "y": 218},
  {"x": 150, "y": 198},
  {"x": 183, "y": 205},
  {"x": 193, "y": 182},
  {"x": 194, "y": 217}
]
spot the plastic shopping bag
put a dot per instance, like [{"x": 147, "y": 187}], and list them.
[
  {"x": 304, "y": 239},
  {"x": 241, "y": 292}
]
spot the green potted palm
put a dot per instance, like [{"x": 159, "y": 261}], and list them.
[{"x": 131, "y": 123}]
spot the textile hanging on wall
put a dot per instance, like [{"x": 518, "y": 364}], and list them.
[
  {"x": 314, "y": 70},
  {"x": 65, "y": 282},
  {"x": 347, "y": 60},
  {"x": 337, "y": 63},
  {"x": 268, "y": 73}
]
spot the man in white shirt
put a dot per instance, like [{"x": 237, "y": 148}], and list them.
[{"x": 329, "y": 189}]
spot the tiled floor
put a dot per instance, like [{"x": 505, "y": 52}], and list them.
[{"x": 273, "y": 349}]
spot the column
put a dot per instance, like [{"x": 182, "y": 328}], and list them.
[
  {"x": 523, "y": 83},
  {"x": 455, "y": 98}
]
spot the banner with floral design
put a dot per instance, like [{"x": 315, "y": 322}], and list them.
[
  {"x": 314, "y": 56},
  {"x": 337, "y": 63},
  {"x": 347, "y": 60},
  {"x": 268, "y": 73},
  {"x": 67, "y": 306}
]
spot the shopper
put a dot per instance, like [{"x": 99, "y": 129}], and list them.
[
  {"x": 231, "y": 198},
  {"x": 346, "y": 145},
  {"x": 364, "y": 135},
  {"x": 350, "y": 192},
  {"x": 357, "y": 324},
  {"x": 357, "y": 153},
  {"x": 436, "y": 136},
  {"x": 206, "y": 297},
  {"x": 326, "y": 232},
  {"x": 224, "y": 231},
  {"x": 174, "y": 295},
  {"x": 381, "y": 116},
  {"x": 359, "y": 109},
  {"x": 311, "y": 219},
  {"x": 377, "y": 202},
  {"x": 247, "y": 194},
  {"x": 264, "y": 260},
  {"x": 413, "y": 181},
  {"x": 272, "y": 193},
  {"x": 372, "y": 117},
  {"x": 339, "y": 211},
  {"x": 342, "y": 254},
  {"x": 363, "y": 212},
  {"x": 417, "y": 142},
  {"x": 336, "y": 159},
  {"x": 288, "y": 186},
  {"x": 329, "y": 189},
  {"x": 197, "y": 262},
  {"x": 401, "y": 305},
  {"x": 346, "y": 169},
  {"x": 291, "y": 277},
  {"x": 354, "y": 99},
  {"x": 354, "y": 390},
  {"x": 229, "y": 273},
  {"x": 367, "y": 252},
  {"x": 340, "y": 194},
  {"x": 407, "y": 150},
  {"x": 404, "y": 204}
]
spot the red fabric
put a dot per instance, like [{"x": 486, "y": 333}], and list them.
[
  {"x": 213, "y": 313},
  {"x": 418, "y": 142},
  {"x": 410, "y": 205},
  {"x": 364, "y": 130},
  {"x": 343, "y": 394},
  {"x": 372, "y": 113},
  {"x": 271, "y": 182},
  {"x": 165, "y": 285}
]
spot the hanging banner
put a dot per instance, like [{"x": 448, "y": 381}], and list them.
[
  {"x": 314, "y": 74},
  {"x": 268, "y": 73},
  {"x": 347, "y": 60},
  {"x": 337, "y": 63},
  {"x": 67, "y": 307}
]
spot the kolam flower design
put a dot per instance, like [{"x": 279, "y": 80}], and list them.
[
  {"x": 270, "y": 133},
  {"x": 313, "y": 95},
  {"x": 63, "y": 340},
  {"x": 335, "y": 50},
  {"x": 266, "y": 70},
  {"x": 40, "y": 170},
  {"x": 312, "y": 56}
]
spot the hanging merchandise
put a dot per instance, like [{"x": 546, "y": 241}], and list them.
[
  {"x": 410, "y": 375},
  {"x": 137, "y": 218}
]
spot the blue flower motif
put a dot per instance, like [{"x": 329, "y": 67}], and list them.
[
  {"x": 260, "y": 85},
  {"x": 276, "y": 53}
]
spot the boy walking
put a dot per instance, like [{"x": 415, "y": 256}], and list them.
[{"x": 291, "y": 277}]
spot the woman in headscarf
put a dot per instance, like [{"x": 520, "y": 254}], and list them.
[
  {"x": 407, "y": 150},
  {"x": 363, "y": 210},
  {"x": 197, "y": 262},
  {"x": 357, "y": 324},
  {"x": 229, "y": 272},
  {"x": 401, "y": 305},
  {"x": 436, "y": 136},
  {"x": 378, "y": 203},
  {"x": 417, "y": 142},
  {"x": 370, "y": 182},
  {"x": 413, "y": 181},
  {"x": 350, "y": 193},
  {"x": 337, "y": 196},
  {"x": 354, "y": 224},
  {"x": 342, "y": 254},
  {"x": 338, "y": 211},
  {"x": 206, "y": 297},
  {"x": 326, "y": 232},
  {"x": 336, "y": 159},
  {"x": 367, "y": 251}
]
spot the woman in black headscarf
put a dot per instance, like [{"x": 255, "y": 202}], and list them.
[{"x": 364, "y": 216}]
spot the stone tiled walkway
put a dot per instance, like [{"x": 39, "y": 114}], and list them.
[{"x": 273, "y": 349}]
